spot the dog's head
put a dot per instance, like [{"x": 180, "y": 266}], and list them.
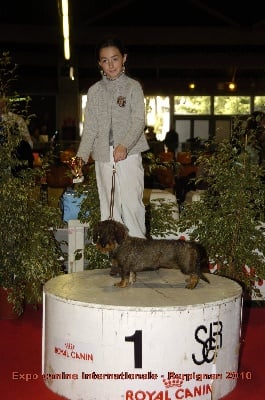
[{"x": 108, "y": 235}]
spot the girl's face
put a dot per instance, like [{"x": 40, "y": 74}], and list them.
[{"x": 111, "y": 61}]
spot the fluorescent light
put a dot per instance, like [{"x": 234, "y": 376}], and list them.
[
  {"x": 66, "y": 49},
  {"x": 65, "y": 7},
  {"x": 65, "y": 26},
  {"x": 66, "y": 30},
  {"x": 71, "y": 74}
]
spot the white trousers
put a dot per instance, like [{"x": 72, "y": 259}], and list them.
[{"x": 128, "y": 207}]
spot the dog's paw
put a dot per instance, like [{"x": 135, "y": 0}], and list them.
[
  {"x": 123, "y": 283},
  {"x": 132, "y": 277},
  {"x": 192, "y": 282}
]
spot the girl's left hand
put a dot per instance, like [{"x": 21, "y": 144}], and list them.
[
  {"x": 119, "y": 153},
  {"x": 76, "y": 164}
]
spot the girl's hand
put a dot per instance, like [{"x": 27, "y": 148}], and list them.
[
  {"x": 76, "y": 164},
  {"x": 119, "y": 153}
]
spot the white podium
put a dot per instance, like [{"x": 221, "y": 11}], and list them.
[{"x": 153, "y": 340}]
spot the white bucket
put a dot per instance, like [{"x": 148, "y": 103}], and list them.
[{"x": 154, "y": 340}]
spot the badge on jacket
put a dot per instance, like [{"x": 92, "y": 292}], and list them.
[{"x": 121, "y": 101}]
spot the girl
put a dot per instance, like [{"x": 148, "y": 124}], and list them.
[{"x": 113, "y": 135}]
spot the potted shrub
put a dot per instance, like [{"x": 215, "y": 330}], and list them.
[
  {"x": 229, "y": 217},
  {"x": 159, "y": 170},
  {"x": 29, "y": 252}
]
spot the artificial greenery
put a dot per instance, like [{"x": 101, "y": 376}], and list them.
[
  {"x": 161, "y": 219},
  {"x": 229, "y": 218},
  {"x": 29, "y": 252},
  {"x": 152, "y": 162},
  {"x": 159, "y": 170}
]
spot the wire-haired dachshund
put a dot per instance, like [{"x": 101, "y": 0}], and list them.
[{"x": 132, "y": 254}]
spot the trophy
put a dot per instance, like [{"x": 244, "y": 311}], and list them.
[{"x": 76, "y": 167}]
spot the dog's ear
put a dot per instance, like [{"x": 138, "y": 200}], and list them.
[{"x": 121, "y": 232}]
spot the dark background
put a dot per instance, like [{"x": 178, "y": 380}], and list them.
[{"x": 170, "y": 43}]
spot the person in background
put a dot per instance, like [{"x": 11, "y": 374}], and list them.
[
  {"x": 14, "y": 121},
  {"x": 172, "y": 142},
  {"x": 113, "y": 135}
]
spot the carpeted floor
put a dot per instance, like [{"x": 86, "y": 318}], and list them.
[{"x": 20, "y": 358}]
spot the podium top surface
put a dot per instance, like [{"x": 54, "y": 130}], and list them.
[{"x": 153, "y": 289}]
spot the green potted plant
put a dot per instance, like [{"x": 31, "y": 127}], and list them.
[
  {"x": 229, "y": 217},
  {"x": 160, "y": 170},
  {"x": 29, "y": 252}
]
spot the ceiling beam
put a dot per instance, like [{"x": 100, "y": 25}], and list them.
[{"x": 140, "y": 36}]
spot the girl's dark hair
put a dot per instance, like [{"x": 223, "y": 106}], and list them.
[{"x": 110, "y": 41}]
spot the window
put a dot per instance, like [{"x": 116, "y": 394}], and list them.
[
  {"x": 231, "y": 105},
  {"x": 259, "y": 103},
  {"x": 190, "y": 105},
  {"x": 158, "y": 114},
  {"x": 83, "y": 106}
]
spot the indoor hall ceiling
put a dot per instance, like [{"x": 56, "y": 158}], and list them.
[{"x": 169, "y": 43}]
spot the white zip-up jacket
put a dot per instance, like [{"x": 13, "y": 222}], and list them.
[{"x": 117, "y": 106}]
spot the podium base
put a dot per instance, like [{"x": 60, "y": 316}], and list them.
[{"x": 154, "y": 340}]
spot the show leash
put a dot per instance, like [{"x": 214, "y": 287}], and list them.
[{"x": 112, "y": 191}]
